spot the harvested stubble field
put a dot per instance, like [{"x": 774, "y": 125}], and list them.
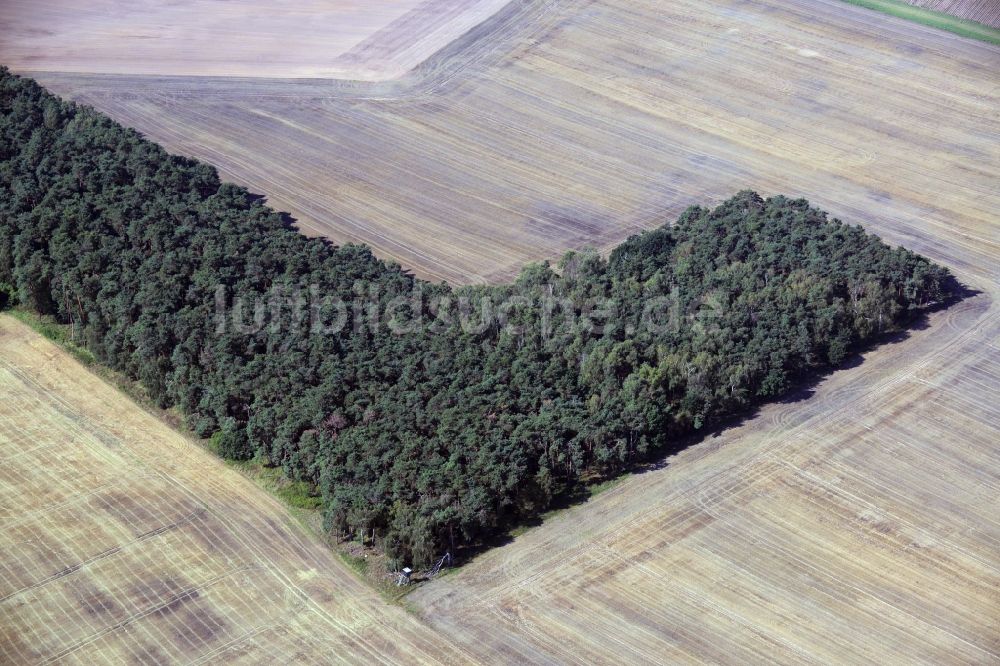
[
  {"x": 854, "y": 524},
  {"x": 986, "y": 12},
  {"x": 860, "y": 524},
  {"x": 123, "y": 542},
  {"x": 560, "y": 124},
  {"x": 371, "y": 40}
]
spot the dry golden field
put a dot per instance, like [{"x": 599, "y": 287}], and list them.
[
  {"x": 370, "y": 40},
  {"x": 559, "y": 124},
  {"x": 123, "y": 542}
]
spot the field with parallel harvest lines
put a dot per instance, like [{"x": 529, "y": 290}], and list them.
[
  {"x": 371, "y": 40},
  {"x": 557, "y": 125},
  {"x": 123, "y": 542},
  {"x": 984, "y": 11},
  {"x": 858, "y": 521}
]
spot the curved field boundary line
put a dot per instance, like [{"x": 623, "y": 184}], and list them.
[{"x": 518, "y": 24}]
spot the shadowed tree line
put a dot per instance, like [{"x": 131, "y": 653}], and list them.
[{"x": 446, "y": 435}]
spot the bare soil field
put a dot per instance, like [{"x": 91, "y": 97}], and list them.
[
  {"x": 123, "y": 542},
  {"x": 983, "y": 11},
  {"x": 558, "y": 124},
  {"x": 370, "y": 40}
]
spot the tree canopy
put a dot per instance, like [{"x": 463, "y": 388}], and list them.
[{"x": 435, "y": 416}]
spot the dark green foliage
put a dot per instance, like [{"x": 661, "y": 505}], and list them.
[
  {"x": 447, "y": 434},
  {"x": 8, "y": 297}
]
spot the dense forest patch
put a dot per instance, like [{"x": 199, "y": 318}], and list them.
[{"x": 429, "y": 416}]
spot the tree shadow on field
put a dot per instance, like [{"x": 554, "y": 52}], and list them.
[
  {"x": 511, "y": 530},
  {"x": 287, "y": 220},
  {"x": 803, "y": 388}
]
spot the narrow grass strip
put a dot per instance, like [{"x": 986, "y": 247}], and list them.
[{"x": 963, "y": 27}]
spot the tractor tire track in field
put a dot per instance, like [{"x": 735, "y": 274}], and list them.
[
  {"x": 228, "y": 566},
  {"x": 855, "y": 522}
]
